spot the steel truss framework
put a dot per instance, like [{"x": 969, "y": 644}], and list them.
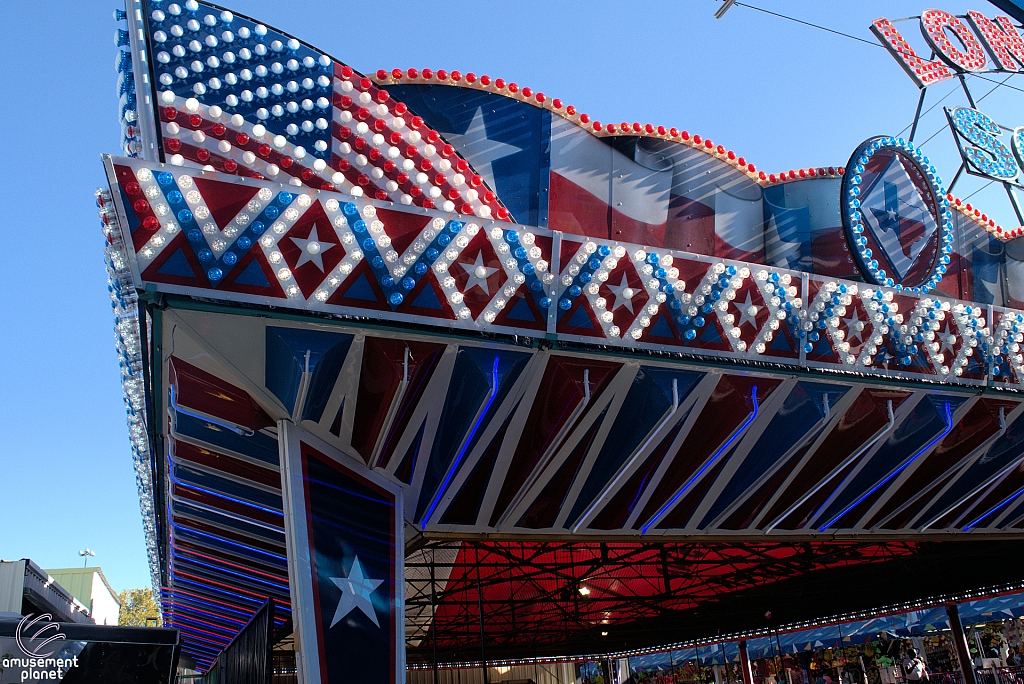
[{"x": 513, "y": 599}]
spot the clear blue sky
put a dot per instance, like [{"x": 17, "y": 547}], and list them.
[{"x": 781, "y": 94}]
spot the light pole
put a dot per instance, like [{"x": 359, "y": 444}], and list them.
[{"x": 85, "y": 554}]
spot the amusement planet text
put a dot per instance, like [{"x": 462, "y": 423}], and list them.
[{"x": 40, "y": 669}]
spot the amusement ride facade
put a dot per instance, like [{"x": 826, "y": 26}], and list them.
[{"x": 453, "y": 372}]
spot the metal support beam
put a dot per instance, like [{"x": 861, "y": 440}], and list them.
[
  {"x": 956, "y": 177},
  {"x": 745, "y": 671},
  {"x": 1013, "y": 200},
  {"x": 963, "y": 654},
  {"x": 917, "y": 115}
]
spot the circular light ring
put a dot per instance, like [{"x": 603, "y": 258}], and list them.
[{"x": 873, "y": 271}]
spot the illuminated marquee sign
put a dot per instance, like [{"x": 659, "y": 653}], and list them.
[
  {"x": 982, "y": 147},
  {"x": 897, "y": 217},
  {"x": 969, "y": 44}
]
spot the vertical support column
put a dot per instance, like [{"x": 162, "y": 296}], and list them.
[
  {"x": 346, "y": 555},
  {"x": 963, "y": 654},
  {"x": 748, "y": 676}
]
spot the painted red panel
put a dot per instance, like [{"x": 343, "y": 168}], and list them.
[
  {"x": 224, "y": 200},
  {"x": 617, "y": 512},
  {"x": 544, "y": 510},
  {"x": 380, "y": 375},
  {"x": 206, "y": 393},
  {"x": 980, "y": 423},
  {"x": 561, "y": 391},
  {"x": 725, "y": 411},
  {"x": 866, "y": 417},
  {"x": 183, "y": 451}
]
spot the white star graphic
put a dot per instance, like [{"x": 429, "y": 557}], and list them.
[
  {"x": 623, "y": 295},
  {"x": 478, "y": 149},
  {"x": 989, "y": 287},
  {"x": 748, "y": 313},
  {"x": 945, "y": 335},
  {"x": 478, "y": 273},
  {"x": 312, "y": 249},
  {"x": 855, "y": 326},
  {"x": 355, "y": 593}
]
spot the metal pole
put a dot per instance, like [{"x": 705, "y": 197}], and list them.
[
  {"x": 967, "y": 92},
  {"x": 1013, "y": 201},
  {"x": 480, "y": 608},
  {"x": 955, "y": 178},
  {"x": 917, "y": 115},
  {"x": 433, "y": 612},
  {"x": 745, "y": 672},
  {"x": 963, "y": 654},
  {"x": 839, "y": 656}
]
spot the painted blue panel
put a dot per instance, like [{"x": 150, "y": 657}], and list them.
[
  {"x": 647, "y": 402},
  {"x": 787, "y": 234},
  {"x": 228, "y": 575},
  {"x": 351, "y": 534},
  {"x": 259, "y": 446},
  {"x": 323, "y": 378},
  {"x": 579, "y": 319},
  {"x": 520, "y": 311},
  {"x": 987, "y": 257},
  {"x": 1015, "y": 8},
  {"x": 925, "y": 423},
  {"x": 230, "y": 521},
  {"x": 427, "y": 299},
  {"x": 711, "y": 334},
  {"x": 286, "y": 358},
  {"x": 480, "y": 380},
  {"x": 252, "y": 275},
  {"x": 361, "y": 289},
  {"x": 183, "y": 532},
  {"x": 1003, "y": 451},
  {"x": 177, "y": 265},
  {"x": 802, "y": 411},
  {"x": 506, "y": 141},
  {"x": 190, "y": 476}
]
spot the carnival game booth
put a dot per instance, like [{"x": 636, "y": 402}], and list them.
[{"x": 452, "y": 371}]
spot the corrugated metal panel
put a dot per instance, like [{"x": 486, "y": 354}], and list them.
[{"x": 12, "y": 586}]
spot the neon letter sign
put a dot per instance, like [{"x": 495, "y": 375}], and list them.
[{"x": 960, "y": 46}]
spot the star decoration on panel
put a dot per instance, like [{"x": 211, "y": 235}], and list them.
[
  {"x": 483, "y": 149},
  {"x": 356, "y": 593},
  {"x": 897, "y": 215}
]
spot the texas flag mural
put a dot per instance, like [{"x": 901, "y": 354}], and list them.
[{"x": 345, "y": 564}]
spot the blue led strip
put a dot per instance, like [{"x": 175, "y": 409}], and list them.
[
  {"x": 853, "y": 219},
  {"x": 183, "y": 556},
  {"x": 973, "y": 524},
  {"x": 219, "y": 495},
  {"x": 454, "y": 467},
  {"x": 221, "y": 540},
  {"x": 711, "y": 461},
  {"x": 949, "y": 426}
]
